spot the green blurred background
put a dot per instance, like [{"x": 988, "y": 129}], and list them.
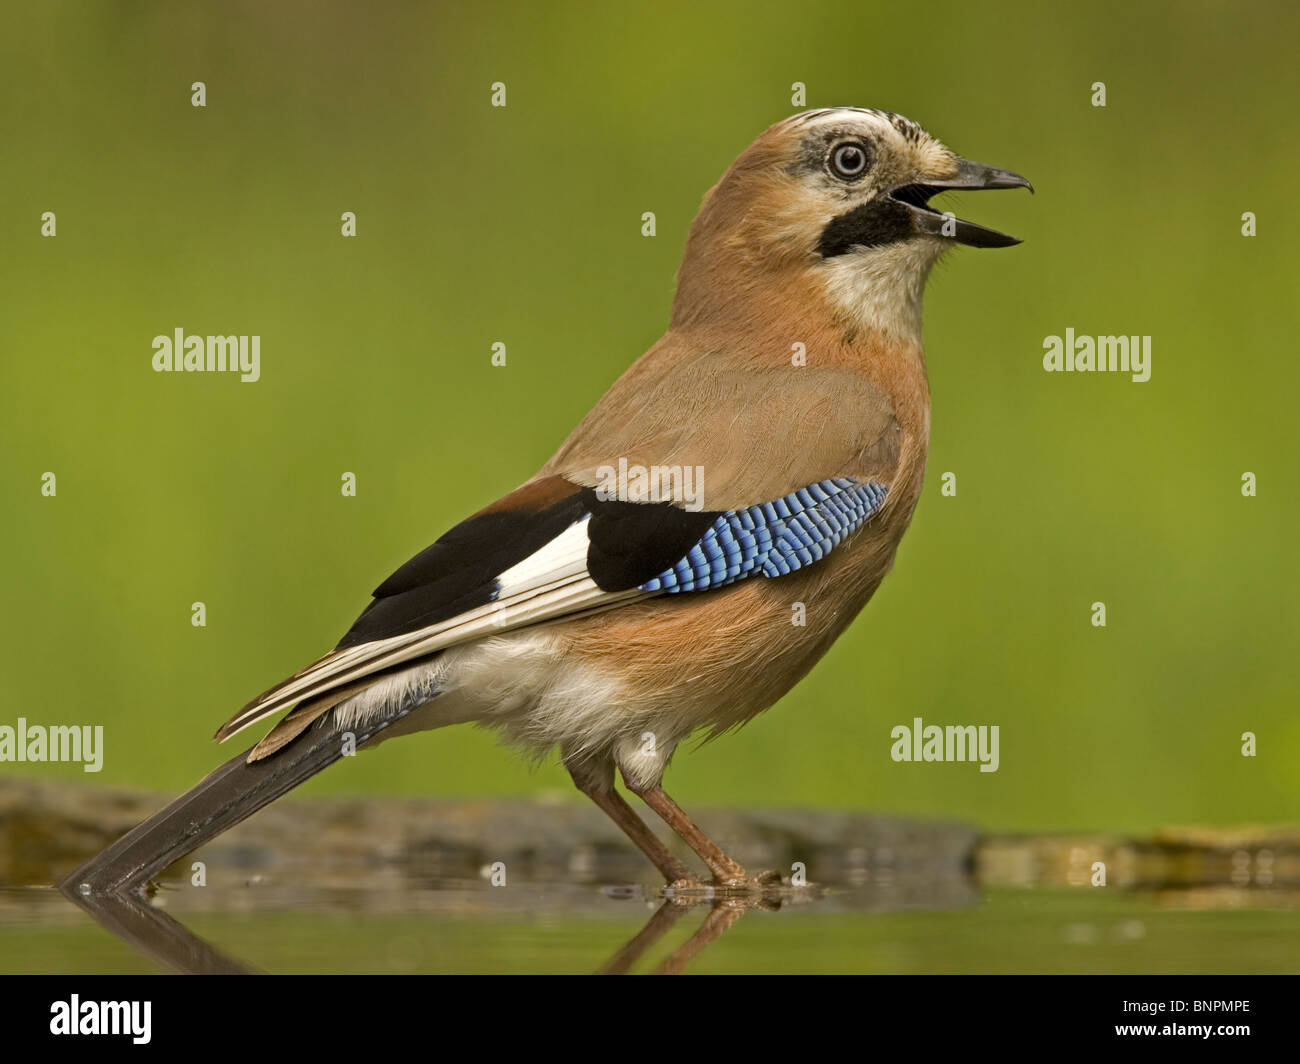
[{"x": 522, "y": 225}]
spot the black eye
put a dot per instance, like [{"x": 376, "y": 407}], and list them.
[{"x": 850, "y": 160}]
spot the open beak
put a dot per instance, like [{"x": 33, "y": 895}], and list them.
[{"x": 969, "y": 175}]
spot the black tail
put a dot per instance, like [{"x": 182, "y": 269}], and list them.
[{"x": 231, "y": 793}]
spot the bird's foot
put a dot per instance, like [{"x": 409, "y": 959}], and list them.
[
  {"x": 742, "y": 885},
  {"x": 764, "y": 882}
]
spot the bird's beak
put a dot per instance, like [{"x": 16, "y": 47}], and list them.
[{"x": 968, "y": 175}]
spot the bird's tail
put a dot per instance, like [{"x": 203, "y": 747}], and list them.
[{"x": 223, "y": 798}]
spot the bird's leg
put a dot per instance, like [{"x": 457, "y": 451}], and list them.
[
  {"x": 601, "y": 791},
  {"x": 726, "y": 872},
  {"x": 724, "y": 869}
]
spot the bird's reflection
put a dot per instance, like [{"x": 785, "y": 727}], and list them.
[
  {"x": 155, "y": 934},
  {"x": 722, "y": 914}
]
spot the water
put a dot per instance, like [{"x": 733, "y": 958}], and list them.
[
  {"x": 389, "y": 885},
  {"x": 472, "y": 927}
]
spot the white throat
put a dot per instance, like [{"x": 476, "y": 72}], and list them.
[{"x": 881, "y": 288}]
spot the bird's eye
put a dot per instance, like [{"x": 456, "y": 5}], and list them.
[{"x": 849, "y": 161}]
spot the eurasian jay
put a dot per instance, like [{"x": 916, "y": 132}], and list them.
[{"x": 698, "y": 542}]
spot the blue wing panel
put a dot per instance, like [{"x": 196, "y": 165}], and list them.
[{"x": 774, "y": 538}]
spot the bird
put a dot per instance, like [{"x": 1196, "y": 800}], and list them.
[{"x": 696, "y": 544}]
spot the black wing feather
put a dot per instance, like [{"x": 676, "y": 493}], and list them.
[
  {"x": 631, "y": 543},
  {"x": 458, "y": 572}
]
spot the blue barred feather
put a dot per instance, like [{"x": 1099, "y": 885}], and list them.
[{"x": 774, "y": 538}]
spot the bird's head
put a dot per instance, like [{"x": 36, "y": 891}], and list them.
[{"x": 836, "y": 201}]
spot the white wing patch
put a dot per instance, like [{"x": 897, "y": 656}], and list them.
[{"x": 562, "y": 557}]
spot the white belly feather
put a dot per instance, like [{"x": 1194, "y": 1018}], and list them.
[{"x": 524, "y": 685}]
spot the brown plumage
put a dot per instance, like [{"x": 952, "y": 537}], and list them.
[{"x": 791, "y": 381}]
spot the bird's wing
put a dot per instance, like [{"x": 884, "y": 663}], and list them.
[
  {"x": 756, "y": 432},
  {"x": 554, "y": 549}
]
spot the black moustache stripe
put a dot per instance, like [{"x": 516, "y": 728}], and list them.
[{"x": 872, "y": 225}]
